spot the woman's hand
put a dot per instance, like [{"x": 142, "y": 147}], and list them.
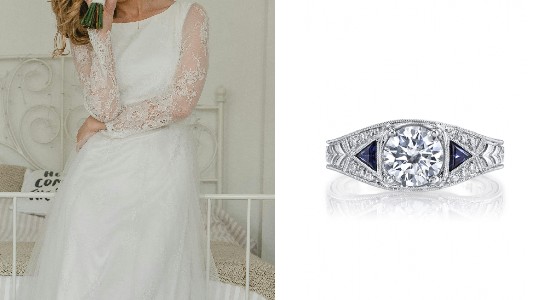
[
  {"x": 108, "y": 8},
  {"x": 108, "y": 13},
  {"x": 88, "y": 128}
]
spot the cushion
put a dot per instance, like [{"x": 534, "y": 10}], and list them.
[
  {"x": 11, "y": 178},
  {"x": 226, "y": 228},
  {"x": 24, "y": 250},
  {"x": 230, "y": 260},
  {"x": 38, "y": 181}
]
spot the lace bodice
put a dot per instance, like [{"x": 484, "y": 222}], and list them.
[{"x": 148, "y": 100}]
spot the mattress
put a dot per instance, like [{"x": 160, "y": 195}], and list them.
[{"x": 227, "y": 241}]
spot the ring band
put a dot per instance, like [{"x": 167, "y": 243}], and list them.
[{"x": 414, "y": 155}]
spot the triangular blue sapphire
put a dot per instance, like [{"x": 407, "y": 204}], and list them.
[
  {"x": 368, "y": 155},
  {"x": 457, "y": 156}
]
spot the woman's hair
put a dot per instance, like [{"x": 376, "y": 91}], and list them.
[{"x": 68, "y": 14}]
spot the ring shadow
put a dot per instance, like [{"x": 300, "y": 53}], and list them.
[{"x": 479, "y": 197}]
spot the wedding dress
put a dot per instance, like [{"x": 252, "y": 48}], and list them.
[{"x": 126, "y": 222}]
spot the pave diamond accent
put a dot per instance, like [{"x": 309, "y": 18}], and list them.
[{"x": 413, "y": 155}]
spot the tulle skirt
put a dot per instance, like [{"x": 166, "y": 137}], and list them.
[{"x": 126, "y": 223}]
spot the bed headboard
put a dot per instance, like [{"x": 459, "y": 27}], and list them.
[{"x": 41, "y": 109}]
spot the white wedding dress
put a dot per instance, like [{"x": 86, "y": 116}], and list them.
[{"x": 126, "y": 222}]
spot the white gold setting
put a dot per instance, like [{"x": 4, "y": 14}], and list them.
[{"x": 414, "y": 155}]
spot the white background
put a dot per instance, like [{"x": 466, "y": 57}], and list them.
[{"x": 343, "y": 65}]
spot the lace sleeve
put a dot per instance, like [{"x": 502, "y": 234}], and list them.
[
  {"x": 95, "y": 67},
  {"x": 181, "y": 96}
]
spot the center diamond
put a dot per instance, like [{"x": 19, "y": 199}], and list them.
[{"x": 413, "y": 155}]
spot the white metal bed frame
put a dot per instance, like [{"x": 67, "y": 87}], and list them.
[{"x": 20, "y": 149}]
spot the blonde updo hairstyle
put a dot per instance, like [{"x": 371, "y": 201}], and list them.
[{"x": 68, "y": 14}]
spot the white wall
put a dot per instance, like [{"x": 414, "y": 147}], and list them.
[
  {"x": 242, "y": 43},
  {"x": 268, "y": 230},
  {"x": 237, "y": 39},
  {"x": 241, "y": 59}
]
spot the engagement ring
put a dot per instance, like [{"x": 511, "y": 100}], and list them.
[{"x": 414, "y": 155}]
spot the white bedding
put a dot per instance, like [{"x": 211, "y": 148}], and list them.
[
  {"x": 224, "y": 291},
  {"x": 223, "y": 229},
  {"x": 27, "y": 225}
]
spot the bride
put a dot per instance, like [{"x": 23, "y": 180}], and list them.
[{"x": 126, "y": 222}]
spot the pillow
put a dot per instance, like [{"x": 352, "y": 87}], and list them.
[
  {"x": 231, "y": 227},
  {"x": 38, "y": 181},
  {"x": 11, "y": 178},
  {"x": 230, "y": 260}
]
